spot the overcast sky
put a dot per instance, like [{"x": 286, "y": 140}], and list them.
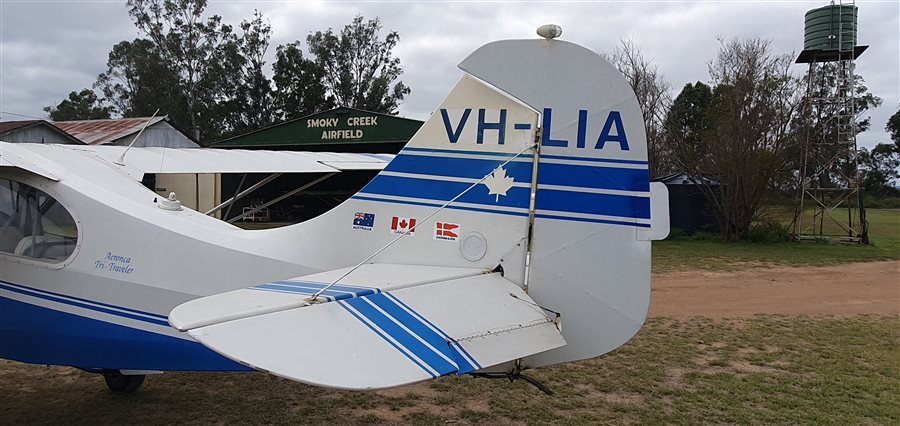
[{"x": 49, "y": 48}]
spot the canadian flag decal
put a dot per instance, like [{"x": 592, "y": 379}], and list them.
[
  {"x": 446, "y": 231},
  {"x": 403, "y": 225}
]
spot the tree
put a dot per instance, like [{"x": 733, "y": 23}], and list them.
[
  {"x": 652, "y": 91},
  {"x": 83, "y": 105},
  {"x": 893, "y": 127},
  {"x": 298, "y": 82},
  {"x": 193, "y": 49},
  {"x": 248, "y": 101},
  {"x": 744, "y": 138},
  {"x": 212, "y": 81},
  {"x": 879, "y": 168},
  {"x": 138, "y": 81},
  {"x": 359, "y": 67},
  {"x": 687, "y": 124},
  {"x": 880, "y": 164}
]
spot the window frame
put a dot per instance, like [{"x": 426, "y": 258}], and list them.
[{"x": 42, "y": 185}]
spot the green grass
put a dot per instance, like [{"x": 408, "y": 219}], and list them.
[
  {"x": 682, "y": 255},
  {"x": 765, "y": 370}
]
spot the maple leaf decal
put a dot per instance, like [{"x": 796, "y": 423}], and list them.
[{"x": 498, "y": 183}]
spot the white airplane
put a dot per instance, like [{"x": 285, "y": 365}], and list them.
[{"x": 512, "y": 232}]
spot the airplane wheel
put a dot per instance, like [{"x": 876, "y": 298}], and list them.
[{"x": 120, "y": 383}]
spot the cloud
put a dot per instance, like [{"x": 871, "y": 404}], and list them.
[{"x": 50, "y": 49}]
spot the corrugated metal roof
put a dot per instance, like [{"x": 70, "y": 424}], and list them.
[
  {"x": 8, "y": 126},
  {"x": 11, "y": 127},
  {"x": 99, "y": 132}
]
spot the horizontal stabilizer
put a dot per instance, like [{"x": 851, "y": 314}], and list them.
[
  {"x": 293, "y": 293},
  {"x": 370, "y": 338}
]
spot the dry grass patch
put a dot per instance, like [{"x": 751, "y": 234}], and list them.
[{"x": 760, "y": 370}]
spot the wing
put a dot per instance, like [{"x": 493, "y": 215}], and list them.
[
  {"x": 410, "y": 323},
  {"x": 16, "y": 156},
  {"x": 138, "y": 161},
  {"x": 209, "y": 160}
]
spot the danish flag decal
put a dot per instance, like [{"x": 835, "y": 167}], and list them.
[{"x": 446, "y": 231}]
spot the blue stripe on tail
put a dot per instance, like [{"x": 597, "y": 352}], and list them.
[{"x": 457, "y": 167}]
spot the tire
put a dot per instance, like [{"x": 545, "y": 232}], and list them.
[{"x": 121, "y": 384}]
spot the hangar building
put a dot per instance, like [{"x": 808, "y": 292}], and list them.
[{"x": 341, "y": 129}]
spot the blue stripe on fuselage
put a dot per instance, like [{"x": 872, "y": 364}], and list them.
[
  {"x": 40, "y": 335},
  {"x": 87, "y": 304}
]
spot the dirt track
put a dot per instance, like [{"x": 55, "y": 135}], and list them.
[{"x": 844, "y": 290}]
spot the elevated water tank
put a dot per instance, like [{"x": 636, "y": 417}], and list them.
[{"x": 831, "y": 28}]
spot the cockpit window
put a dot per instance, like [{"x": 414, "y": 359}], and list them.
[{"x": 34, "y": 224}]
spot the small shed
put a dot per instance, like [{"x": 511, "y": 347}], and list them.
[
  {"x": 689, "y": 209},
  {"x": 35, "y": 131},
  {"x": 341, "y": 129},
  {"x": 122, "y": 131}
]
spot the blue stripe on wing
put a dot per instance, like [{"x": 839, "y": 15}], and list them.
[
  {"x": 382, "y": 335},
  {"x": 465, "y": 361},
  {"x": 402, "y": 334},
  {"x": 309, "y": 288},
  {"x": 411, "y": 334}
]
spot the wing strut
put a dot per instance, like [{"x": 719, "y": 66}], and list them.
[
  {"x": 267, "y": 204},
  {"x": 243, "y": 193}
]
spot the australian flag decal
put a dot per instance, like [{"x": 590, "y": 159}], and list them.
[{"x": 364, "y": 221}]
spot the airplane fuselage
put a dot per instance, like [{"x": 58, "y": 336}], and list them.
[{"x": 104, "y": 301}]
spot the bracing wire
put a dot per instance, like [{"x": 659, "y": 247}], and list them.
[{"x": 315, "y": 297}]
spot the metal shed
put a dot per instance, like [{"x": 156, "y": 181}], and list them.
[
  {"x": 121, "y": 131},
  {"x": 35, "y": 131},
  {"x": 689, "y": 209}
]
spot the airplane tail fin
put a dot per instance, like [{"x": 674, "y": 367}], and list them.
[
  {"x": 533, "y": 167},
  {"x": 595, "y": 210},
  {"x": 552, "y": 119}
]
